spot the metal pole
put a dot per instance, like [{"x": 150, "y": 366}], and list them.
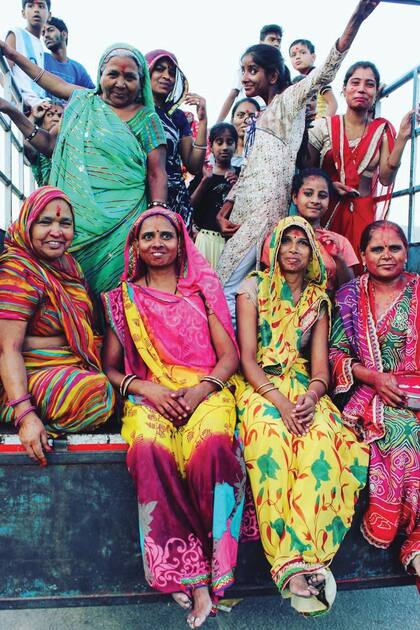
[
  {"x": 8, "y": 159},
  {"x": 413, "y": 159}
]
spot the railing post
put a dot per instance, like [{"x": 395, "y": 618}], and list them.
[
  {"x": 413, "y": 159},
  {"x": 8, "y": 157}
]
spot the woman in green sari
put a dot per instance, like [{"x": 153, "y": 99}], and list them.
[{"x": 110, "y": 148}]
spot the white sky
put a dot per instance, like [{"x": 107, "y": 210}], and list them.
[{"x": 208, "y": 37}]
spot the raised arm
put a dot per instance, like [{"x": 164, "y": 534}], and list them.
[
  {"x": 50, "y": 82},
  {"x": 325, "y": 74},
  {"x": 390, "y": 160},
  {"x": 41, "y": 140}
]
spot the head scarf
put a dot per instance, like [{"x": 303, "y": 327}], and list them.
[
  {"x": 180, "y": 89},
  {"x": 281, "y": 323},
  {"x": 56, "y": 276},
  {"x": 120, "y": 49},
  {"x": 195, "y": 273}
]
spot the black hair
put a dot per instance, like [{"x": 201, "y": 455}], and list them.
[
  {"x": 270, "y": 28},
  {"x": 271, "y": 60},
  {"x": 47, "y": 2},
  {"x": 299, "y": 179},
  {"x": 245, "y": 100},
  {"x": 304, "y": 42},
  {"x": 219, "y": 128},
  {"x": 364, "y": 65},
  {"x": 369, "y": 230},
  {"x": 59, "y": 24}
]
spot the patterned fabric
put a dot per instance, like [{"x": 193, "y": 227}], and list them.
[
  {"x": 346, "y": 164},
  {"x": 263, "y": 190},
  {"x": 105, "y": 179},
  {"x": 41, "y": 169},
  {"x": 66, "y": 383},
  {"x": 304, "y": 487},
  {"x": 176, "y": 127},
  {"x": 390, "y": 344},
  {"x": 189, "y": 480}
]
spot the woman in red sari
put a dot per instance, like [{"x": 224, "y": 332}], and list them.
[{"x": 361, "y": 155}]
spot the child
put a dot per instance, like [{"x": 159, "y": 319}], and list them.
[
  {"x": 28, "y": 42},
  {"x": 302, "y": 56},
  {"x": 208, "y": 191}
]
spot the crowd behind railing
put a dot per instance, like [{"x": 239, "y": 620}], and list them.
[{"x": 212, "y": 289}]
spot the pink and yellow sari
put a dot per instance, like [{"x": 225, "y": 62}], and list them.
[{"x": 189, "y": 479}]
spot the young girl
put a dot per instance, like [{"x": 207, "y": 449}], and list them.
[{"x": 208, "y": 191}]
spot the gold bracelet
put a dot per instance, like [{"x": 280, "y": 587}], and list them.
[
  {"x": 214, "y": 380},
  {"x": 320, "y": 380},
  {"x": 266, "y": 384},
  {"x": 270, "y": 389}
]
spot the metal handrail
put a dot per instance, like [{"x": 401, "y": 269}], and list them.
[{"x": 412, "y": 188}]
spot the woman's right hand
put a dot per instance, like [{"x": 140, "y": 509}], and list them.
[
  {"x": 34, "y": 438},
  {"x": 171, "y": 408},
  {"x": 386, "y": 387},
  {"x": 288, "y": 414},
  {"x": 227, "y": 228},
  {"x": 344, "y": 190},
  {"x": 364, "y": 9}
]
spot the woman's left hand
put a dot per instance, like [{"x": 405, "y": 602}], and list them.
[
  {"x": 406, "y": 127},
  {"x": 190, "y": 397},
  {"x": 199, "y": 102},
  {"x": 304, "y": 411}
]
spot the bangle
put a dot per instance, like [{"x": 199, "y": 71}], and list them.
[
  {"x": 127, "y": 384},
  {"x": 158, "y": 204},
  {"x": 14, "y": 403},
  {"x": 311, "y": 391},
  {"x": 23, "y": 415},
  {"x": 320, "y": 380},
  {"x": 215, "y": 381},
  {"x": 202, "y": 147},
  {"x": 122, "y": 384},
  {"x": 33, "y": 134},
  {"x": 266, "y": 384},
  {"x": 39, "y": 75},
  {"x": 270, "y": 389}
]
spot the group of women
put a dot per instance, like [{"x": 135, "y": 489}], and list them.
[{"x": 204, "y": 410}]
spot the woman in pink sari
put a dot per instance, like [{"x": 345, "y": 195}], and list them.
[
  {"x": 170, "y": 349},
  {"x": 362, "y": 156}
]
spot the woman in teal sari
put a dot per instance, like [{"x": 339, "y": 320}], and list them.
[{"x": 110, "y": 148}]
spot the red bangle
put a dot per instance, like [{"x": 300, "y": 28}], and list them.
[
  {"x": 13, "y": 403},
  {"x": 23, "y": 415}
]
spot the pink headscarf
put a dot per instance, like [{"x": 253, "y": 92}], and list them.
[
  {"x": 180, "y": 89},
  {"x": 195, "y": 273}
]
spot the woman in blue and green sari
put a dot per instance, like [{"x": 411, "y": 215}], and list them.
[{"x": 109, "y": 156}]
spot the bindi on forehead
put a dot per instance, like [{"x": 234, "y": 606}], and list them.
[
  {"x": 295, "y": 233},
  {"x": 58, "y": 210}
]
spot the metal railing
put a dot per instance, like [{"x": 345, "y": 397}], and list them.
[
  {"x": 15, "y": 174},
  {"x": 413, "y": 188}
]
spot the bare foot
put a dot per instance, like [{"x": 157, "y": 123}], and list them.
[
  {"x": 202, "y": 607},
  {"x": 182, "y": 600},
  {"x": 416, "y": 564},
  {"x": 298, "y": 585}
]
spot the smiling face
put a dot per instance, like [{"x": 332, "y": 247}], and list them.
[
  {"x": 295, "y": 251},
  {"x": 120, "y": 82},
  {"x": 158, "y": 243},
  {"x": 385, "y": 254},
  {"x": 255, "y": 80},
  {"x": 243, "y": 113},
  {"x": 360, "y": 90},
  {"x": 53, "y": 231},
  {"x": 162, "y": 77},
  {"x": 36, "y": 14},
  {"x": 312, "y": 199},
  {"x": 302, "y": 59}
]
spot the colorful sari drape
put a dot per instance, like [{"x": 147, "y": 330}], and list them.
[
  {"x": 350, "y": 215},
  {"x": 101, "y": 163},
  {"x": 189, "y": 480},
  {"x": 67, "y": 385},
  {"x": 390, "y": 344},
  {"x": 304, "y": 487}
]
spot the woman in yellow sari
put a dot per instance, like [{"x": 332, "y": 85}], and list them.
[
  {"x": 170, "y": 349},
  {"x": 304, "y": 466}
]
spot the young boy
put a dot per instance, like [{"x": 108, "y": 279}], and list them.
[
  {"x": 208, "y": 191},
  {"x": 302, "y": 56},
  {"x": 28, "y": 42}
]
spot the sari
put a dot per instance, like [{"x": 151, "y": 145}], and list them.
[
  {"x": 100, "y": 161},
  {"x": 189, "y": 479},
  {"x": 347, "y": 163},
  {"x": 67, "y": 385},
  {"x": 304, "y": 487},
  {"x": 176, "y": 127},
  {"x": 390, "y": 344}
]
